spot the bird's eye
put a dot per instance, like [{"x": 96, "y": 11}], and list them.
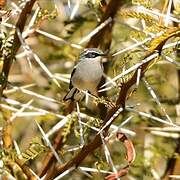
[{"x": 91, "y": 55}]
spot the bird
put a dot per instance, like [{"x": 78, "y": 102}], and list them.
[{"x": 87, "y": 73}]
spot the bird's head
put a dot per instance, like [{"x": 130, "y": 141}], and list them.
[{"x": 92, "y": 53}]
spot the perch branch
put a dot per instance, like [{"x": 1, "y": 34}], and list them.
[{"x": 89, "y": 148}]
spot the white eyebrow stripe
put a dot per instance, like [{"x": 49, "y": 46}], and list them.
[{"x": 89, "y": 52}]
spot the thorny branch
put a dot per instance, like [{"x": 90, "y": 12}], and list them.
[
  {"x": 8, "y": 60},
  {"x": 89, "y": 148},
  {"x": 15, "y": 46},
  {"x": 110, "y": 10}
]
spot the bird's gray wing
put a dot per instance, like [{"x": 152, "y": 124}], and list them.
[
  {"x": 72, "y": 89},
  {"x": 70, "y": 94},
  {"x": 70, "y": 84}
]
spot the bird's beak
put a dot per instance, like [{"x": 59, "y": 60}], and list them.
[{"x": 104, "y": 54}]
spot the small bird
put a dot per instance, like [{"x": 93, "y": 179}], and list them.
[{"x": 87, "y": 74}]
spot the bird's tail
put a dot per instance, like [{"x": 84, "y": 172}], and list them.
[{"x": 70, "y": 94}]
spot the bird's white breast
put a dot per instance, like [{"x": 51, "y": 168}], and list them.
[{"x": 87, "y": 75}]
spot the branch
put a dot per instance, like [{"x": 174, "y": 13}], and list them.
[
  {"x": 7, "y": 130},
  {"x": 8, "y": 60},
  {"x": 89, "y": 148},
  {"x": 110, "y": 10},
  {"x": 2, "y": 3}
]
